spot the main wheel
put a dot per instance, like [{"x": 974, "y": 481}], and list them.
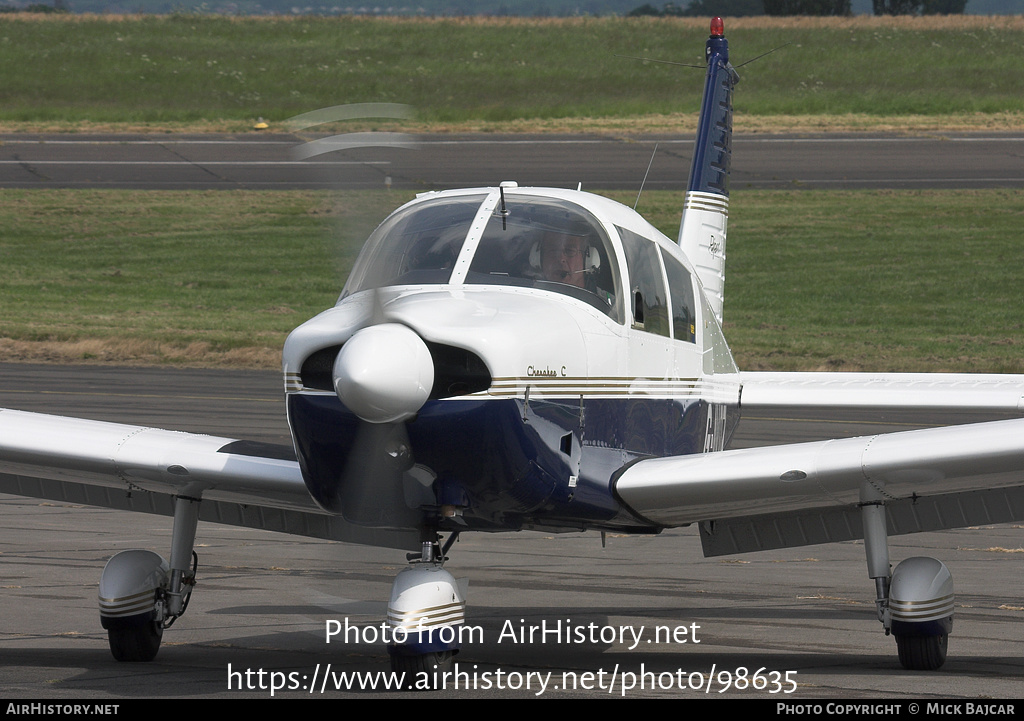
[
  {"x": 422, "y": 666},
  {"x": 135, "y": 643},
  {"x": 922, "y": 653}
]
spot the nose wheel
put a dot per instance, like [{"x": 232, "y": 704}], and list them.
[
  {"x": 425, "y": 613},
  {"x": 424, "y": 665}
]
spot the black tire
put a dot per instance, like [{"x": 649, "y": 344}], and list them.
[
  {"x": 429, "y": 666},
  {"x": 135, "y": 643},
  {"x": 922, "y": 653}
]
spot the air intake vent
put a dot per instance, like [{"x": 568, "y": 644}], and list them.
[
  {"x": 457, "y": 371},
  {"x": 318, "y": 369}
]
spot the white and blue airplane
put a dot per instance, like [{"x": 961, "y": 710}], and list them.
[{"x": 512, "y": 358}]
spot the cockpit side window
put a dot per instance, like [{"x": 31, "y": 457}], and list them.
[
  {"x": 549, "y": 244},
  {"x": 648, "y": 298},
  {"x": 417, "y": 245}
]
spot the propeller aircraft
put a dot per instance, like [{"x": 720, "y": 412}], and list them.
[{"x": 512, "y": 358}]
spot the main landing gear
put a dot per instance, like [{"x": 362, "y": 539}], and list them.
[
  {"x": 141, "y": 594},
  {"x": 915, "y": 603},
  {"x": 426, "y": 609}
]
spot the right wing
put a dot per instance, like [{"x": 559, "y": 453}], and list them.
[{"x": 142, "y": 469}]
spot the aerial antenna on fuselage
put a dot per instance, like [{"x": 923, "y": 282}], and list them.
[
  {"x": 646, "y": 173},
  {"x": 504, "y": 211}
]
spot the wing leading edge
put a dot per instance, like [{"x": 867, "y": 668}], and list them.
[
  {"x": 144, "y": 469},
  {"x": 938, "y": 391}
]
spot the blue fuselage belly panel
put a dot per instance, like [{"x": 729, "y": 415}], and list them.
[{"x": 507, "y": 464}]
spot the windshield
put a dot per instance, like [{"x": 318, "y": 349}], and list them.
[
  {"x": 528, "y": 241},
  {"x": 414, "y": 246},
  {"x": 550, "y": 244}
]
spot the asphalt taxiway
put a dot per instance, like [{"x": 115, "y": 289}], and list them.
[
  {"x": 253, "y": 160},
  {"x": 264, "y": 600}
]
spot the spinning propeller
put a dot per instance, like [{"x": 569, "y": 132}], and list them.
[{"x": 383, "y": 374}]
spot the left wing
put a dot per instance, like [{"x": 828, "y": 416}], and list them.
[
  {"x": 143, "y": 469},
  {"x": 807, "y": 493}
]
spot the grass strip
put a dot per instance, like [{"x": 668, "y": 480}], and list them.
[{"x": 202, "y": 71}]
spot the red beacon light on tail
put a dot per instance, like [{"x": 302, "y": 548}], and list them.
[{"x": 717, "y": 27}]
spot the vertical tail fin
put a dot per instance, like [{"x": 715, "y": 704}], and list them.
[{"x": 702, "y": 230}]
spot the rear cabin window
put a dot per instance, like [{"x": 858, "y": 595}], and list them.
[{"x": 684, "y": 319}]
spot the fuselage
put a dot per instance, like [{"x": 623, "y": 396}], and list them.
[{"x": 567, "y": 337}]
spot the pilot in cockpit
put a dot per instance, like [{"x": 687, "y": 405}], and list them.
[
  {"x": 566, "y": 257},
  {"x": 563, "y": 258}
]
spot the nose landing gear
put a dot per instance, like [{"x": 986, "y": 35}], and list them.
[{"x": 426, "y": 610}]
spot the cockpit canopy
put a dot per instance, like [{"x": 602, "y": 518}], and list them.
[
  {"x": 520, "y": 240},
  {"x": 546, "y": 242}
]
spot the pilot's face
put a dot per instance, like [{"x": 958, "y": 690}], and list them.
[{"x": 562, "y": 258}]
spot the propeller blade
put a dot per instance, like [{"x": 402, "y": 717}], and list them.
[
  {"x": 372, "y": 487},
  {"x": 383, "y": 374}
]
